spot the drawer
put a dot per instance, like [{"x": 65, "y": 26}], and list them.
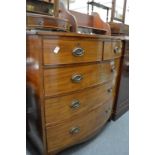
[
  {"x": 68, "y": 79},
  {"x": 76, "y": 104},
  {"x": 36, "y": 21},
  {"x": 72, "y": 132},
  {"x": 66, "y": 51},
  {"x": 112, "y": 49}
]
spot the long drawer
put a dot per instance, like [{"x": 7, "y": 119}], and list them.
[
  {"x": 112, "y": 49},
  {"x": 68, "y": 79},
  {"x": 66, "y": 51},
  {"x": 76, "y": 104},
  {"x": 72, "y": 132}
]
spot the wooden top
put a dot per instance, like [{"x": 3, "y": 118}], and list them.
[
  {"x": 44, "y": 16},
  {"x": 72, "y": 34}
]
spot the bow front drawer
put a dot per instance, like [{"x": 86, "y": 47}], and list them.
[
  {"x": 112, "y": 49},
  {"x": 66, "y": 51},
  {"x": 68, "y": 79},
  {"x": 76, "y": 104},
  {"x": 77, "y": 130}
]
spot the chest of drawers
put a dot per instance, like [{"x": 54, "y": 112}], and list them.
[{"x": 74, "y": 78}]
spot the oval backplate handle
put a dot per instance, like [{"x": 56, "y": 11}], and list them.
[
  {"x": 75, "y": 104},
  {"x": 78, "y": 52},
  {"x": 74, "y": 130},
  {"x": 76, "y": 78}
]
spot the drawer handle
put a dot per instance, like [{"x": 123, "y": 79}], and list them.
[
  {"x": 116, "y": 50},
  {"x": 109, "y": 90},
  {"x": 74, "y": 130},
  {"x": 78, "y": 52},
  {"x": 75, "y": 104},
  {"x": 76, "y": 78}
]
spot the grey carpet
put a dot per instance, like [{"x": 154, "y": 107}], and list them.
[{"x": 112, "y": 140}]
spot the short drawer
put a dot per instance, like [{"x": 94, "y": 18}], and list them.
[
  {"x": 74, "y": 131},
  {"x": 68, "y": 79},
  {"x": 76, "y": 104},
  {"x": 66, "y": 51},
  {"x": 112, "y": 49},
  {"x": 36, "y": 21}
]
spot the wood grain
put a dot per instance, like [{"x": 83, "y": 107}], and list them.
[
  {"x": 92, "y": 51},
  {"x": 88, "y": 99},
  {"x": 88, "y": 124},
  {"x": 109, "y": 49},
  {"x": 34, "y": 79},
  {"x": 58, "y": 80},
  {"x": 46, "y": 22}
]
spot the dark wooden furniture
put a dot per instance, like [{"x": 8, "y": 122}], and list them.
[
  {"x": 40, "y": 6},
  {"x": 74, "y": 79},
  {"x": 122, "y": 90},
  {"x": 119, "y": 29},
  {"x": 122, "y": 93}
]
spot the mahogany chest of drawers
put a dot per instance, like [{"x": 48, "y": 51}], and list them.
[{"x": 74, "y": 78}]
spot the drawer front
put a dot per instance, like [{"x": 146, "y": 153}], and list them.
[
  {"x": 42, "y": 22},
  {"x": 71, "y": 132},
  {"x": 76, "y": 104},
  {"x": 67, "y": 51},
  {"x": 112, "y": 49},
  {"x": 68, "y": 79}
]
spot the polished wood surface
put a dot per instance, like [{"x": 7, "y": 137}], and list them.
[
  {"x": 98, "y": 23},
  {"x": 61, "y": 51},
  {"x": 119, "y": 28},
  {"x": 91, "y": 21},
  {"x": 87, "y": 125},
  {"x": 67, "y": 107},
  {"x": 39, "y": 21},
  {"x": 58, "y": 81},
  {"x": 34, "y": 80},
  {"x": 65, "y": 14},
  {"x": 112, "y": 49},
  {"x": 72, "y": 91},
  {"x": 49, "y": 34}
]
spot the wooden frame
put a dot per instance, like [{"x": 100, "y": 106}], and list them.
[{"x": 114, "y": 9}]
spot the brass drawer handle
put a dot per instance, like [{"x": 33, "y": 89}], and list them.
[
  {"x": 117, "y": 50},
  {"x": 78, "y": 52},
  {"x": 74, "y": 130},
  {"x": 75, "y": 104},
  {"x": 76, "y": 78},
  {"x": 109, "y": 90}
]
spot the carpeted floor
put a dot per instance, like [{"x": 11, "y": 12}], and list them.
[{"x": 112, "y": 140}]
